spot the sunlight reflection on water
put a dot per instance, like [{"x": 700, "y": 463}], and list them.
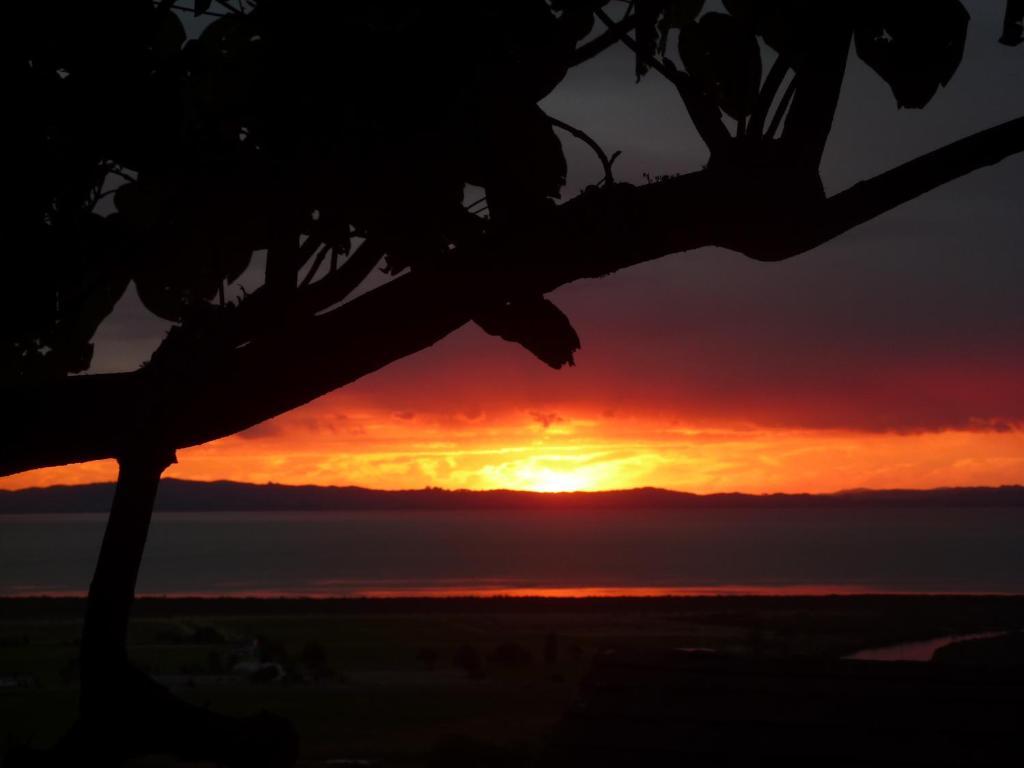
[{"x": 522, "y": 553}]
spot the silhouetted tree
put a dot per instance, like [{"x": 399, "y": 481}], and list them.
[{"x": 339, "y": 138}]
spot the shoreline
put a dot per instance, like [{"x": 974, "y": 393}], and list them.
[
  {"x": 10, "y": 607},
  {"x": 568, "y": 594}
]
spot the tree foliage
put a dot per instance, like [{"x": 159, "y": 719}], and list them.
[
  {"x": 162, "y": 151},
  {"x": 295, "y": 122},
  {"x": 164, "y": 147}
]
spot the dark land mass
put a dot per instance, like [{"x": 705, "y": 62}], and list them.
[
  {"x": 1002, "y": 650},
  {"x": 193, "y": 496},
  {"x": 514, "y": 681}
]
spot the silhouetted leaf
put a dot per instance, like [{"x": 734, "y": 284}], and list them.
[
  {"x": 170, "y": 36},
  {"x": 191, "y": 228},
  {"x": 201, "y": 7},
  {"x": 577, "y": 17},
  {"x": 914, "y": 45},
  {"x": 677, "y": 13},
  {"x": 787, "y": 26},
  {"x": 647, "y": 14},
  {"x": 527, "y": 48},
  {"x": 162, "y": 300},
  {"x": 722, "y": 55},
  {"x": 536, "y": 324},
  {"x": 1013, "y": 23},
  {"x": 531, "y": 166},
  {"x": 655, "y": 19}
]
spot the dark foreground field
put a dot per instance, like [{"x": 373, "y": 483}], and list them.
[{"x": 481, "y": 682}]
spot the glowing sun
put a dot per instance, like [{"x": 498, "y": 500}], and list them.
[{"x": 555, "y": 474}]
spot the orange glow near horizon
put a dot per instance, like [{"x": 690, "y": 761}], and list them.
[
  {"x": 563, "y": 593},
  {"x": 551, "y": 452}
]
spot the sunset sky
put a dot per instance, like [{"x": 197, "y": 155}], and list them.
[{"x": 891, "y": 357}]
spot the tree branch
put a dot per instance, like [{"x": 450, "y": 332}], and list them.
[
  {"x": 706, "y": 116},
  {"x": 602, "y": 42},
  {"x": 818, "y": 82},
  {"x": 91, "y": 417},
  {"x": 869, "y": 199},
  {"x": 602, "y": 156},
  {"x": 1013, "y": 23},
  {"x": 321, "y": 254}
]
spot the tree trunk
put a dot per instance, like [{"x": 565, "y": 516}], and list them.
[
  {"x": 112, "y": 590},
  {"x": 122, "y": 712}
]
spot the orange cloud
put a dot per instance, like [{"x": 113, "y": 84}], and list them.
[{"x": 557, "y": 450}]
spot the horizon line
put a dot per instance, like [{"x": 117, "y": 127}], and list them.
[{"x": 581, "y": 492}]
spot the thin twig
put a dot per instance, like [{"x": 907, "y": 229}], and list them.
[
  {"x": 606, "y": 162},
  {"x": 623, "y": 34},
  {"x": 165, "y": 5},
  {"x": 602, "y": 42},
  {"x": 321, "y": 254},
  {"x": 772, "y": 83},
  {"x": 787, "y": 97},
  {"x": 230, "y": 7}
]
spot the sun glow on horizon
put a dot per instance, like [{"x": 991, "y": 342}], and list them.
[
  {"x": 551, "y": 481},
  {"x": 558, "y": 473},
  {"x": 566, "y": 452}
]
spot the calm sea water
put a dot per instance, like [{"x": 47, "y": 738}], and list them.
[{"x": 529, "y": 552}]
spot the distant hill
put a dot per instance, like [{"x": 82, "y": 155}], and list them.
[{"x": 225, "y": 496}]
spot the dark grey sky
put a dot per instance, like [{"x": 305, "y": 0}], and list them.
[{"x": 912, "y": 322}]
